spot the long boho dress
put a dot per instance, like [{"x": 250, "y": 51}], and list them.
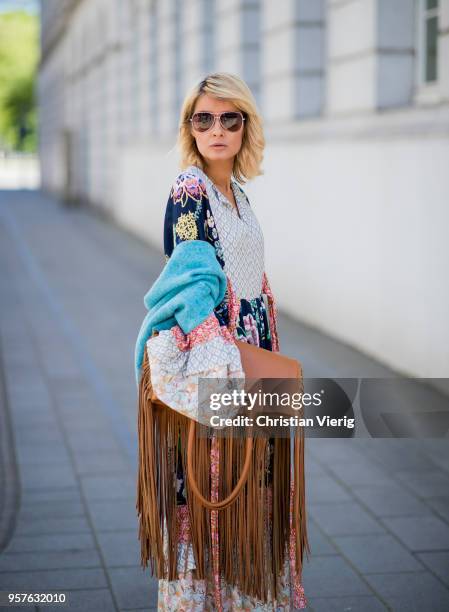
[{"x": 197, "y": 210}]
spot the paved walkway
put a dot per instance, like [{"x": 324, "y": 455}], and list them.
[{"x": 71, "y": 289}]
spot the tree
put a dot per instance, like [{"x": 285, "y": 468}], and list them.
[{"x": 19, "y": 51}]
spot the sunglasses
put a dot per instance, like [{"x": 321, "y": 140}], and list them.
[{"x": 230, "y": 120}]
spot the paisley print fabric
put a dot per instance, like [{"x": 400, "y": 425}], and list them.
[
  {"x": 179, "y": 360},
  {"x": 241, "y": 237}
]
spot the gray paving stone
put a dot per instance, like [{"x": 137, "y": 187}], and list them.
[
  {"x": 100, "y": 462},
  {"x": 29, "y": 412},
  {"x": 398, "y": 454},
  {"x": 58, "y": 370},
  {"x": 152, "y": 609},
  {"x": 145, "y": 609},
  {"x": 120, "y": 548},
  {"x": 77, "y": 524},
  {"x": 331, "y": 576},
  {"x": 84, "y": 416},
  {"x": 48, "y": 542},
  {"x": 88, "y": 600},
  {"x": 35, "y": 388},
  {"x": 42, "y": 454},
  {"x": 390, "y": 500},
  {"x": 40, "y": 560},
  {"x": 109, "y": 487},
  {"x": 377, "y": 553},
  {"x": 325, "y": 489},
  {"x": 438, "y": 562},
  {"x": 313, "y": 468},
  {"x": 88, "y": 424},
  {"x": 438, "y": 452},
  {"x": 133, "y": 587},
  {"x": 26, "y": 607},
  {"x": 76, "y": 402},
  {"x": 423, "y": 533},
  {"x": 48, "y": 476},
  {"x": 51, "y": 509},
  {"x": 320, "y": 544},
  {"x": 411, "y": 591},
  {"x": 344, "y": 518},
  {"x": 329, "y": 452},
  {"x": 91, "y": 442},
  {"x": 49, "y": 435},
  {"x": 41, "y": 448},
  {"x": 122, "y": 514},
  {"x": 41, "y": 415},
  {"x": 60, "y": 579},
  {"x": 346, "y": 604},
  {"x": 428, "y": 483},
  {"x": 49, "y": 495},
  {"x": 76, "y": 383},
  {"x": 33, "y": 392},
  {"x": 94, "y": 423},
  {"x": 361, "y": 473},
  {"x": 440, "y": 505}
]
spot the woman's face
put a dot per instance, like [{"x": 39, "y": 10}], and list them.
[{"x": 217, "y": 144}]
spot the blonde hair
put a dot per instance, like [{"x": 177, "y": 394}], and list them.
[{"x": 225, "y": 86}]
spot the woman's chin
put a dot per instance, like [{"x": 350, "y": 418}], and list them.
[{"x": 218, "y": 154}]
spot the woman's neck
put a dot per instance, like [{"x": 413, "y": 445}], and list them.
[{"x": 220, "y": 175}]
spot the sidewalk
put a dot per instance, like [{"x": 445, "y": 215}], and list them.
[{"x": 71, "y": 291}]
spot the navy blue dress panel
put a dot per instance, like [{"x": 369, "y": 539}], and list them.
[{"x": 188, "y": 216}]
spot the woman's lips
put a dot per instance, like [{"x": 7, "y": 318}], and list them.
[{"x": 218, "y": 146}]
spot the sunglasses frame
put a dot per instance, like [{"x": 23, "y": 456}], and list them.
[{"x": 219, "y": 115}]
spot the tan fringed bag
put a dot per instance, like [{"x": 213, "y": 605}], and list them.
[{"x": 166, "y": 436}]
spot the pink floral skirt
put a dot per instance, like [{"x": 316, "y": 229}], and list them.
[{"x": 213, "y": 593}]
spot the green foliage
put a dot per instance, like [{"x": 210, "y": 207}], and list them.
[{"x": 19, "y": 54}]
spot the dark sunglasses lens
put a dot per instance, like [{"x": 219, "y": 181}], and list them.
[
  {"x": 231, "y": 121},
  {"x": 202, "y": 121}
]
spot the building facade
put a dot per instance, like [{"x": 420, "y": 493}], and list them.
[{"x": 355, "y": 100}]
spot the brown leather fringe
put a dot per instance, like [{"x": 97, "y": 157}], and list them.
[{"x": 252, "y": 554}]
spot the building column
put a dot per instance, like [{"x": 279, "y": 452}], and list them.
[
  {"x": 237, "y": 24},
  {"x": 293, "y": 35},
  {"x": 443, "y": 49},
  {"x": 198, "y": 35},
  {"x": 168, "y": 24},
  {"x": 371, "y": 49}
]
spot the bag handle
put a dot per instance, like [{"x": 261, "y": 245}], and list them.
[{"x": 220, "y": 505}]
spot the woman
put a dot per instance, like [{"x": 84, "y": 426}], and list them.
[{"x": 221, "y": 142}]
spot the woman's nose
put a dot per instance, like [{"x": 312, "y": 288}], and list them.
[{"x": 217, "y": 128}]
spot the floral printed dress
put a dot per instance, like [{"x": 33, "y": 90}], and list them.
[{"x": 197, "y": 210}]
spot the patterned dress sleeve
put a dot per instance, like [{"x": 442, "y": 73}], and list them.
[
  {"x": 185, "y": 215},
  {"x": 178, "y": 361}
]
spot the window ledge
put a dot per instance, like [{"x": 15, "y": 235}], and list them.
[{"x": 431, "y": 120}]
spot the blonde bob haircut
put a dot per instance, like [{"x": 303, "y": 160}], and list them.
[{"x": 225, "y": 86}]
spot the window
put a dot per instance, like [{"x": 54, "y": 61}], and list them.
[{"x": 429, "y": 41}]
